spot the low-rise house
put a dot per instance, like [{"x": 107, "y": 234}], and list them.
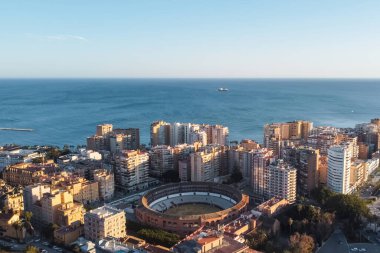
[
  {"x": 10, "y": 226},
  {"x": 68, "y": 234}
]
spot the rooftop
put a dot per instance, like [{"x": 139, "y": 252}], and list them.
[{"x": 105, "y": 211}]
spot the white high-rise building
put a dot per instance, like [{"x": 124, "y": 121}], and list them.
[
  {"x": 180, "y": 133},
  {"x": 338, "y": 172}
]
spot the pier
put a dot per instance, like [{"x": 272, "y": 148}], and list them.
[{"x": 16, "y": 129}]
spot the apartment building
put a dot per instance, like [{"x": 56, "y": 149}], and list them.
[
  {"x": 276, "y": 134},
  {"x": 57, "y": 207},
  {"x": 131, "y": 169},
  {"x": 114, "y": 140},
  {"x": 159, "y": 133},
  {"x": 27, "y": 173},
  {"x": 11, "y": 198},
  {"x": 161, "y": 160},
  {"x": 7, "y": 229},
  {"x": 81, "y": 189},
  {"x": 339, "y": 164},
  {"x": 106, "y": 181},
  {"x": 163, "y": 133},
  {"x": 208, "y": 163},
  {"x": 103, "y": 222},
  {"x": 261, "y": 160},
  {"x": 281, "y": 181},
  {"x": 34, "y": 193},
  {"x": 306, "y": 161}
]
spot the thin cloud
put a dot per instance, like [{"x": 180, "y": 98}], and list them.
[
  {"x": 58, "y": 37},
  {"x": 65, "y": 37}
]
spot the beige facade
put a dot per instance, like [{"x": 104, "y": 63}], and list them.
[
  {"x": 104, "y": 221},
  {"x": 281, "y": 181},
  {"x": 114, "y": 140},
  {"x": 27, "y": 173},
  {"x": 34, "y": 193},
  {"x": 103, "y": 129},
  {"x": 159, "y": 133},
  {"x": 322, "y": 170},
  {"x": 11, "y": 198},
  {"x": 172, "y": 134},
  {"x": 106, "y": 183},
  {"x": 98, "y": 143},
  {"x": 184, "y": 169},
  {"x": 131, "y": 170},
  {"x": 208, "y": 163},
  {"x": 81, "y": 189},
  {"x": 216, "y": 134},
  {"x": 249, "y": 144},
  {"x": 58, "y": 207},
  {"x": 358, "y": 173},
  {"x": 272, "y": 206},
  {"x": 306, "y": 161},
  {"x": 161, "y": 159},
  {"x": 14, "y": 201},
  {"x": 276, "y": 133},
  {"x": 68, "y": 213},
  {"x": 252, "y": 164},
  {"x": 363, "y": 150},
  {"x": 261, "y": 160},
  {"x": 7, "y": 227},
  {"x": 124, "y": 139},
  {"x": 68, "y": 234},
  {"x": 84, "y": 191}
]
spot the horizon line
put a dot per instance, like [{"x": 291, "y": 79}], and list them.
[{"x": 195, "y": 78}]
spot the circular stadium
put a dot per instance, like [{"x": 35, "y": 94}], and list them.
[{"x": 184, "y": 207}]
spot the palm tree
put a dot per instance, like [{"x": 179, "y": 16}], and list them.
[
  {"x": 28, "y": 216},
  {"x": 299, "y": 209},
  {"x": 290, "y": 222},
  {"x": 17, "y": 225}
]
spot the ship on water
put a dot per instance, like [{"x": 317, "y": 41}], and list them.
[{"x": 222, "y": 89}]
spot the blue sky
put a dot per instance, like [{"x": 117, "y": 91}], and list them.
[{"x": 190, "y": 38}]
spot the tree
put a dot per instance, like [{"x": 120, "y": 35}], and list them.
[
  {"x": 301, "y": 243},
  {"x": 32, "y": 249},
  {"x": 258, "y": 240},
  {"x": 290, "y": 222},
  {"x": 236, "y": 175},
  {"x": 28, "y": 222},
  {"x": 348, "y": 206},
  {"x": 322, "y": 194},
  {"x": 17, "y": 225},
  {"x": 299, "y": 209},
  {"x": 157, "y": 236},
  {"x": 171, "y": 176},
  {"x": 54, "y": 153},
  {"x": 48, "y": 230},
  {"x": 75, "y": 248},
  {"x": 37, "y": 160},
  {"x": 312, "y": 213},
  {"x": 28, "y": 216}
]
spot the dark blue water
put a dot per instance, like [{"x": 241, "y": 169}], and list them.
[{"x": 67, "y": 111}]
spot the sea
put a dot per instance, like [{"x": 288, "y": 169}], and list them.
[{"x": 66, "y": 111}]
